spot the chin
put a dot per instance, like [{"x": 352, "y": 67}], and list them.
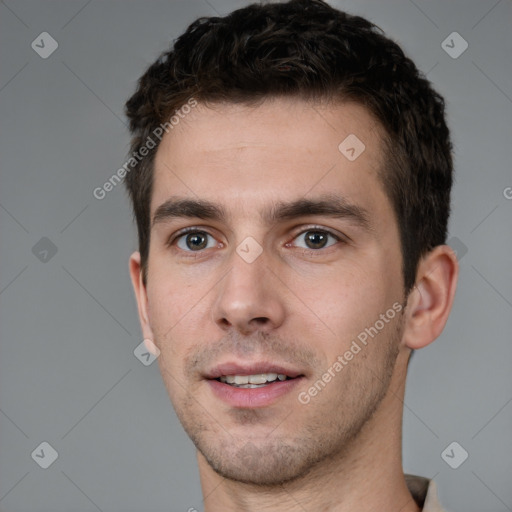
[
  {"x": 270, "y": 464},
  {"x": 261, "y": 475}
]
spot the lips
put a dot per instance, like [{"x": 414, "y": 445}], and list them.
[
  {"x": 252, "y": 385},
  {"x": 228, "y": 369}
]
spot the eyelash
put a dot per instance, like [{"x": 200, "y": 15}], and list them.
[
  {"x": 193, "y": 229},
  {"x": 316, "y": 229},
  {"x": 173, "y": 240}
]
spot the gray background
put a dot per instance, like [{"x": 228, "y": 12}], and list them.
[{"x": 69, "y": 326}]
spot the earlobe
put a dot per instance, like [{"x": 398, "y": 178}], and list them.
[
  {"x": 430, "y": 301},
  {"x": 140, "y": 294}
]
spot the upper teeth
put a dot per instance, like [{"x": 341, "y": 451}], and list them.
[{"x": 260, "y": 378}]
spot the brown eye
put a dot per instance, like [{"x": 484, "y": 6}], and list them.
[
  {"x": 195, "y": 241},
  {"x": 315, "y": 239}
]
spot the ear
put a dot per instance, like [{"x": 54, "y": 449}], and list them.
[
  {"x": 430, "y": 301},
  {"x": 141, "y": 295}
]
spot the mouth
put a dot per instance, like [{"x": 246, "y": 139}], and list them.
[
  {"x": 258, "y": 380},
  {"x": 252, "y": 386}
]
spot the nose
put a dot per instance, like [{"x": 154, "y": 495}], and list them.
[{"x": 248, "y": 299}]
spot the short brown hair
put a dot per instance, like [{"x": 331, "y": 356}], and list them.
[{"x": 307, "y": 49}]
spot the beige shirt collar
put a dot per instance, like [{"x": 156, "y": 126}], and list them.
[{"x": 424, "y": 491}]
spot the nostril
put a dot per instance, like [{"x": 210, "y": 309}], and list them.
[{"x": 262, "y": 320}]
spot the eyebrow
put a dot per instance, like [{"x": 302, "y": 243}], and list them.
[{"x": 333, "y": 206}]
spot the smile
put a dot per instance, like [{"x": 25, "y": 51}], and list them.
[{"x": 258, "y": 380}]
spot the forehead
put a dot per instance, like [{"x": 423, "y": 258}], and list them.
[{"x": 284, "y": 149}]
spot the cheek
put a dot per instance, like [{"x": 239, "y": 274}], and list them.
[
  {"x": 169, "y": 305},
  {"x": 347, "y": 301},
  {"x": 348, "y": 310},
  {"x": 178, "y": 312},
  {"x": 172, "y": 290}
]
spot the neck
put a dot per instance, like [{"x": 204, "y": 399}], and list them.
[{"x": 366, "y": 476}]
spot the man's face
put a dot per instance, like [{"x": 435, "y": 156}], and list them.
[{"x": 285, "y": 251}]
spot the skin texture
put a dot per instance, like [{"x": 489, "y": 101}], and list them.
[{"x": 293, "y": 305}]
